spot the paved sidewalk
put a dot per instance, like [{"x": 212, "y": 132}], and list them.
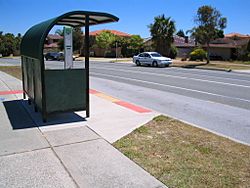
[
  {"x": 68, "y": 151},
  {"x": 242, "y": 71}
]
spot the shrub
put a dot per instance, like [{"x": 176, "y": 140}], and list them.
[
  {"x": 110, "y": 54},
  {"x": 173, "y": 52},
  {"x": 198, "y": 54}
]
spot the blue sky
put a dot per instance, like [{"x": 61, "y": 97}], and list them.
[{"x": 16, "y": 16}]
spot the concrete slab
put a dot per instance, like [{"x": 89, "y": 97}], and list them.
[
  {"x": 33, "y": 169},
  {"x": 97, "y": 164},
  {"x": 65, "y": 119},
  {"x": 114, "y": 122},
  {"x": 18, "y": 133},
  {"x": 70, "y": 135},
  {"x": 12, "y": 82}
]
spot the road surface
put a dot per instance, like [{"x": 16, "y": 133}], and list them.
[{"x": 214, "y": 100}]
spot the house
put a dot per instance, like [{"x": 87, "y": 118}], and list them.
[
  {"x": 229, "y": 47},
  {"x": 51, "y": 43},
  {"x": 236, "y": 36},
  {"x": 184, "y": 45},
  {"x": 100, "y": 52}
]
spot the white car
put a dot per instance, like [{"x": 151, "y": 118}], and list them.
[{"x": 152, "y": 58}]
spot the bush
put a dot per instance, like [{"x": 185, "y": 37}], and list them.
[
  {"x": 198, "y": 54},
  {"x": 128, "y": 52},
  {"x": 244, "y": 57},
  {"x": 110, "y": 54},
  {"x": 173, "y": 52}
]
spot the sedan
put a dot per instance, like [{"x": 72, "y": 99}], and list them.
[
  {"x": 61, "y": 56},
  {"x": 51, "y": 55},
  {"x": 152, "y": 58}
]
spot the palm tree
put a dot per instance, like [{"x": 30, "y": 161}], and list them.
[{"x": 162, "y": 31}]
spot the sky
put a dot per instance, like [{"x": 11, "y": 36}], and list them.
[{"x": 17, "y": 16}]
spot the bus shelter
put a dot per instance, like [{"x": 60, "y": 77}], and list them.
[{"x": 57, "y": 90}]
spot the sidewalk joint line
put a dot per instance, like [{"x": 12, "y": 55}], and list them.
[
  {"x": 51, "y": 147},
  {"x": 21, "y": 152},
  {"x": 78, "y": 142}
]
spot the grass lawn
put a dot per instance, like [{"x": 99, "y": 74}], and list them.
[
  {"x": 12, "y": 70},
  {"x": 181, "y": 155}
]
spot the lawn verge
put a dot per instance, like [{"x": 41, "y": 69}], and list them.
[
  {"x": 213, "y": 65},
  {"x": 181, "y": 155},
  {"x": 12, "y": 70}
]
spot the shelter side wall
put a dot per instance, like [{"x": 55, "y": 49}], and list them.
[
  {"x": 65, "y": 90},
  {"x": 32, "y": 80}
]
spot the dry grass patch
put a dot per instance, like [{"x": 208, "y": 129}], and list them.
[
  {"x": 235, "y": 65},
  {"x": 181, "y": 155},
  {"x": 228, "y": 66},
  {"x": 12, "y": 70}
]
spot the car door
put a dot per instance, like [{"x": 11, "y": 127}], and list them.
[
  {"x": 141, "y": 58},
  {"x": 147, "y": 59}
]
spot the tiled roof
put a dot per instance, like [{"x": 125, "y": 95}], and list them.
[
  {"x": 231, "y": 35},
  {"x": 54, "y": 36},
  {"x": 181, "y": 42},
  {"x": 242, "y": 42},
  {"x": 226, "y": 45},
  {"x": 115, "y": 32},
  {"x": 52, "y": 45},
  {"x": 178, "y": 41},
  {"x": 229, "y": 43}
]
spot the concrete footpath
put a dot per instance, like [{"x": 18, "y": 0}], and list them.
[{"x": 69, "y": 150}]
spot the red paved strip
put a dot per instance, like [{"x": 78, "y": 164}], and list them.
[
  {"x": 92, "y": 91},
  {"x": 132, "y": 107},
  {"x": 11, "y": 92}
]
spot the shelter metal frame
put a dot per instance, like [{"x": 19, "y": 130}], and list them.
[{"x": 36, "y": 80}]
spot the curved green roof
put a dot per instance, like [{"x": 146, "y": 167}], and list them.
[{"x": 33, "y": 40}]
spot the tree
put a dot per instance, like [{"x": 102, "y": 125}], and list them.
[
  {"x": 78, "y": 39},
  {"x": 210, "y": 25},
  {"x": 135, "y": 42},
  {"x": 18, "y": 40},
  {"x": 59, "y": 32},
  {"x": 248, "y": 46},
  {"x": 130, "y": 45},
  {"x": 8, "y": 44},
  {"x": 105, "y": 39},
  {"x": 181, "y": 33},
  {"x": 1, "y": 42},
  {"x": 162, "y": 31}
]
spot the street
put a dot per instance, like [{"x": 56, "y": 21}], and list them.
[{"x": 213, "y": 100}]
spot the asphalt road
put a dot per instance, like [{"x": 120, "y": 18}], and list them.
[{"x": 214, "y": 100}]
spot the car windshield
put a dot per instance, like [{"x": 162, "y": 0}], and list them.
[
  {"x": 53, "y": 53},
  {"x": 155, "y": 55}
]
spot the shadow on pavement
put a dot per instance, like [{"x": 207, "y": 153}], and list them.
[{"x": 22, "y": 116}]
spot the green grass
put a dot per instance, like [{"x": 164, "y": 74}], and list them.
[{"x": 181, "y": 155}]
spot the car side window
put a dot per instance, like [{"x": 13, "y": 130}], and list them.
[
  {"x": 147, "y": 55},
  {"x": 142, "y": 55}
]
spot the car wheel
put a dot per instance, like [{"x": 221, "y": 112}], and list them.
[
  {"x": 155, "y": 64},
  {"x": 137, "y": 62}
]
